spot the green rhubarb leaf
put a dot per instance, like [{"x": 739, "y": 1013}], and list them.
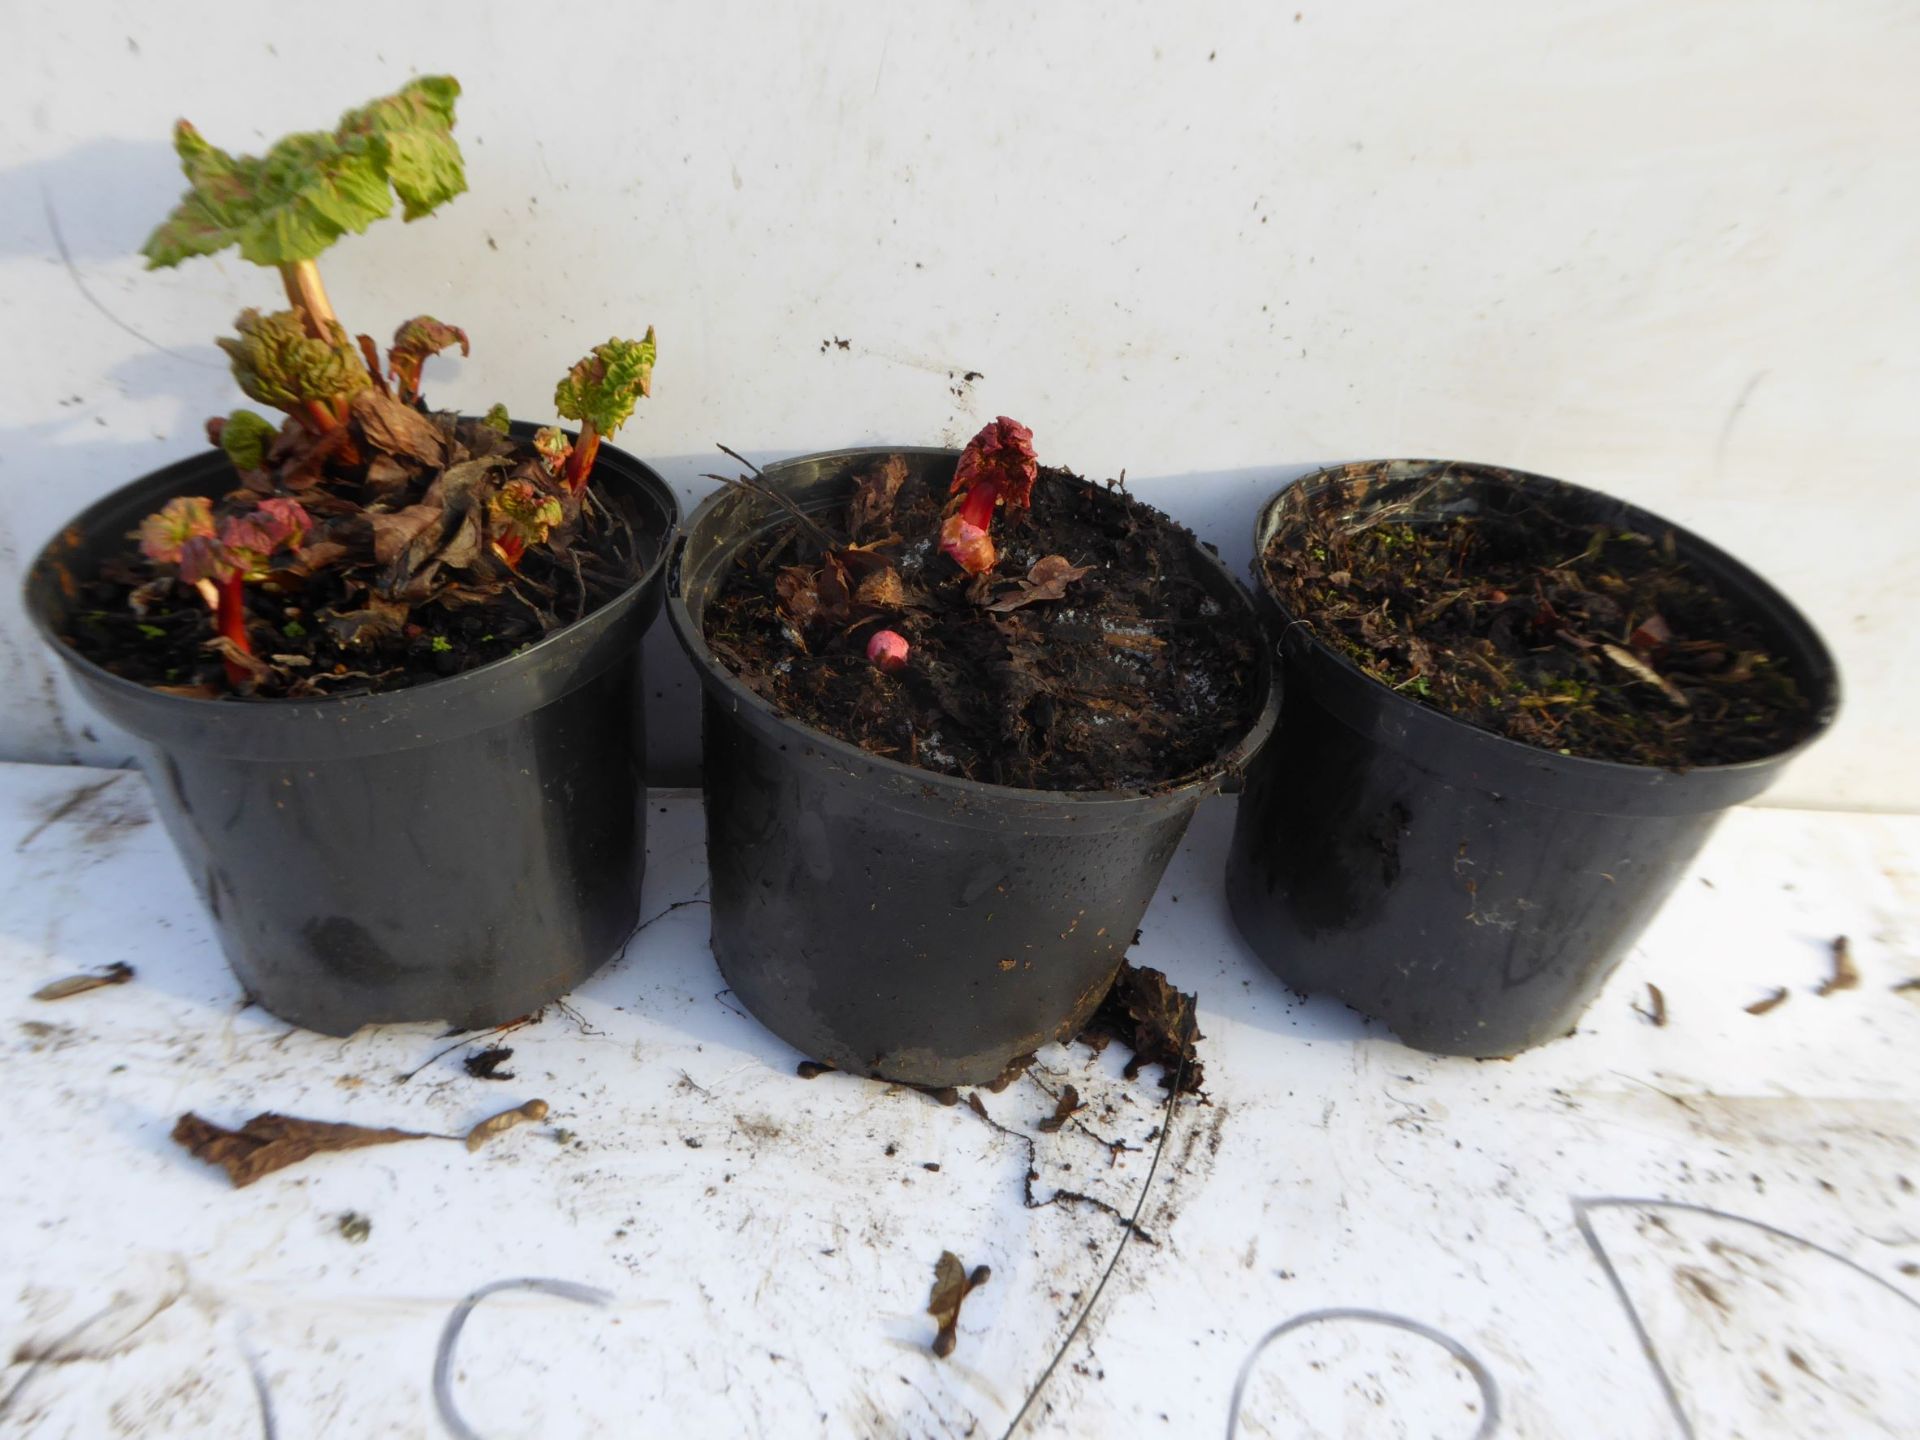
[
  {"x": 311, "y": 188},
  {"x": 277, "y": 363},
  {"x": 245, "y": 437},
  {"x": 166, "y": 532},
  {"x": 412, "y": 131},
  {"x": 602, "y": 389},
  {"x": 414, "y": 342}
]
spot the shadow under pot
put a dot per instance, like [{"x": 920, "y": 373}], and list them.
[
  {"x": 895, "y": 921},
  {"x": 1473, "y": 891},
  {"x": 466, "y": 849}
]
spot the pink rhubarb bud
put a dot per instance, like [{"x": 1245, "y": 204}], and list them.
[
  {"x": 888, "y": 650},
  {"x": 998, "y": 467}
]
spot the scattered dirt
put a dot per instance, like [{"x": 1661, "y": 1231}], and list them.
[
  {"x": 1522, "y": 617},
  {"x": 118, "y": 973},
  {"x": 1772, "y": 1000},
  {"x": 1843, "y": 976},
  {"x": 1154, "y": 1020},
  {"x": 1091, "y": 657},
  {"x": 952, "y": 1283},
  {"x": 485, "y": 1064},
  {"x": 812, "y": 1069},
  {"x": 355, "y": 1227},
  {"x": 270, "y": 1142}
]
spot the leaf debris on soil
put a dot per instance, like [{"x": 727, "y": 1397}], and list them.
[
  {"x": 118, "y": 973},
  {"x": 1147, "y": 1015},
  {"x": 270, "y": 1142},
  {"x": 1843, "y": 975},
  {"x": 1655, "y": 1010},
  {"x": 1545, "y": 619},
  {"x": 505, "y": 1120},
  {"x": 485, "y": 1064},
  {"x": 1770, "y": 1001},
  {"x": 952, "y": 1283}
]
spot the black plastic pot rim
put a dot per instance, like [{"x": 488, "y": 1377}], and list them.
[
  {"x": 369, "y": 706},
  {"x": 728, "y": 688},
  {"x": 1499, "y": 749}
]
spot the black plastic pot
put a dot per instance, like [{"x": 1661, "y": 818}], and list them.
[
  {"x": 467, "y": 849},
  {"x": 1472, "y": 892},
  {"x": 892, "y": 921}
]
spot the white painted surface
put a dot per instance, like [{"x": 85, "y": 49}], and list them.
[
  {"x": 1665, "y": 247},
  {"x": 767, "y": 1243}
]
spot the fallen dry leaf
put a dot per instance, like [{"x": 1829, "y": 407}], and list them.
[
  {"x": 270, "y": 1142},
  {"x": 399, "y": 429},
  {"x": 1146, "y": 1014},
  {"x": 1844, "y": 976},
  {"x": 118, "y": 973},
  {"x": 1047, "y": 580},
  {"x": 1768, "y": 1002},
  {"x": 951, "y": 1285},
  {"x": 873, "y": 495},
  {"x": 505, "y": 1120},
  {"x": 1063, "y": 1109}
]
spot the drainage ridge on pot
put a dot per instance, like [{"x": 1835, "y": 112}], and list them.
[
  {"x": 894, "y": 921},
  {"x": 1471, "y": 891},
  {"x": 466, "y": 849}
]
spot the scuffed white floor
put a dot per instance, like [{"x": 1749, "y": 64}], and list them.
[{"x": 1740, "y": 1188}]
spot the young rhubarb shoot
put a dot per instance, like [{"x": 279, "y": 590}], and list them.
[
  {"x": 519, "y": 515},
  {"x": 182, "y": 533},
  {"x": 997, "y": 468},
  {"x": 245, "y": 436},
  {"x": 276, "y": 362},
  {"x": 413, "y": 343},
  {"x": 888, "y": 651},
  {"x": 286, "y": 207},
  {"x": 600, "y": 392}
]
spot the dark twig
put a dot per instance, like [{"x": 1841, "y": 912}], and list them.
[{"x": 767, "y": 492}]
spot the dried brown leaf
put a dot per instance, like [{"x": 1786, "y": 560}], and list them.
[
  {"x": 398, "y": 429},
  {"x": 1768, "y": 1002},
  {"x": 118, "y": 973},
  {"x": 951, "y": 1285},
  {"x": 1154, "y": 1020},
  {"x": 1063, "y": 1108},
  {"x": 1047, "y": 580},
  {"x": 270, "y": 1142},
  {"x": 871, "y": 508},
  {"x": 393, "y": 531}
]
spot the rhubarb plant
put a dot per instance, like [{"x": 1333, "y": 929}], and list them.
[
  {"x": 600, "y": 392},
  {"x": 995, "y": 472},
  {"x": 365, "y": 510}
]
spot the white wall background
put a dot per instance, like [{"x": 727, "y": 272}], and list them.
[{"x": 1670, "y": 248}]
